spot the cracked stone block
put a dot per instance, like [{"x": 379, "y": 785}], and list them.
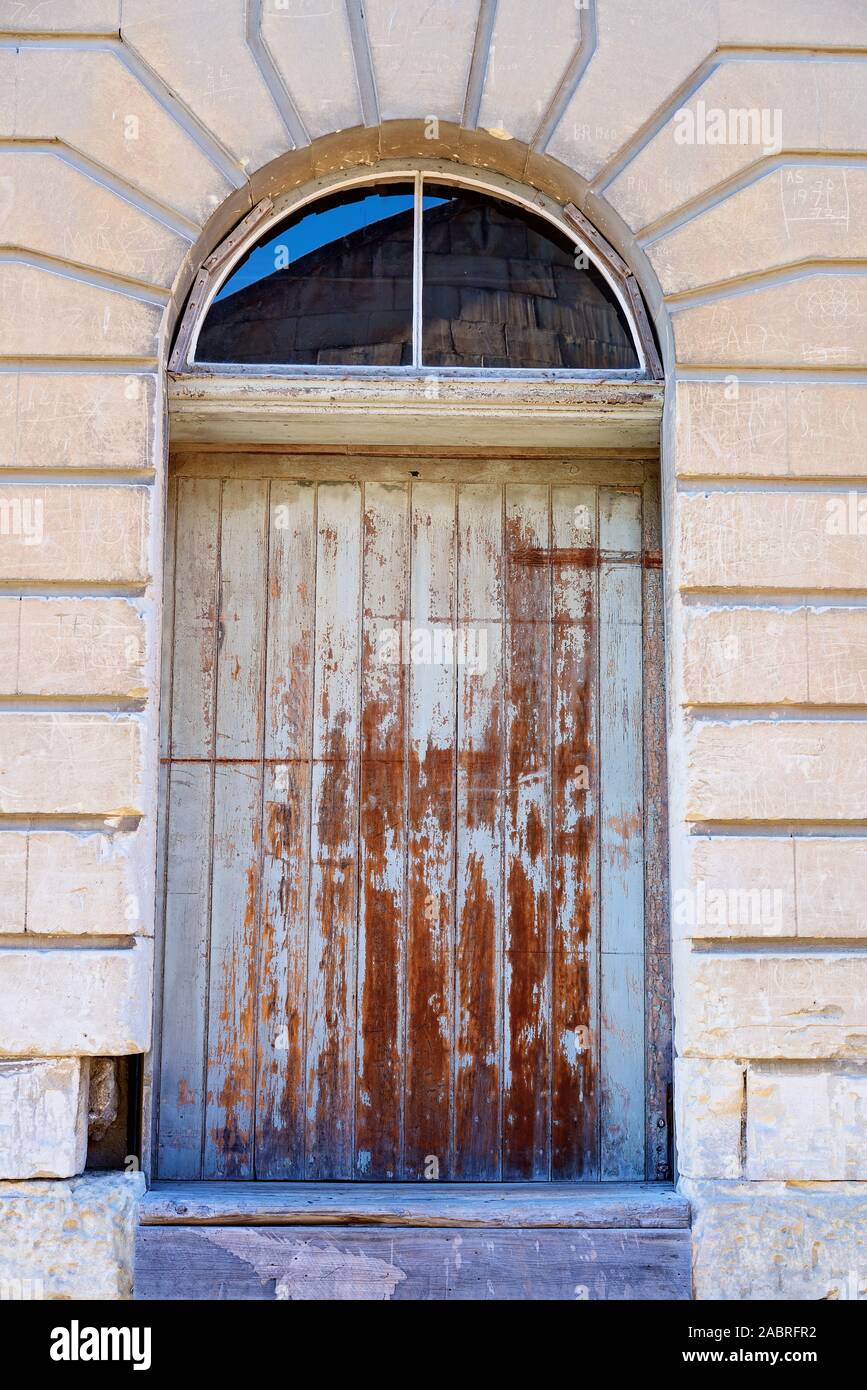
[{"x": 43, "y": 1117}]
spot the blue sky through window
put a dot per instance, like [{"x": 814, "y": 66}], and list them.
[{"x": 315, "y": 229}]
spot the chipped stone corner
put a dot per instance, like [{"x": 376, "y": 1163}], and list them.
[{"x": 72, "y": 1239}]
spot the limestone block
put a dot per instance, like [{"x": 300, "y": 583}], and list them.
[
  {"x": 10, "y": 616},
  {"x": 739, "y": 887},
  {"x": 744, "y": 656},
  {"x": 74, "y": 533},
  {"x": 778, "y": 1241},
  {"x": 772, "y": 1006},
  {"x": 200, "y": 50},
  {"x": 76, "y": 646},
  {"x": 63, "y": 1001},
  {"x": 516, "y": 93},
  {"x": 70, "y": 764},
  {"x": 642, "y": 54},
  {"x": 13, "y": 881},
  {"x": 765, "y": 23},
  {"x": 86, "y": 885},
  {"x": 784, "y": 541},
  {"x": 82, "y": 221},
  {"x": 78, "y": 420},
  {"x": 709, "y": 1097},
  {"x": 421, "y": 56},
  {"x": 86, "y": 320},
  {"x": 76, "y": 883},
  {"x": 814, "y": 320},
  {"x": 43, "y": 1117},
  {"x": 820, "y": 107},
  {"x": 67, "y": 17},
  {"x": 758, "y": 429},
  {"x": 797, "y": 213},
  {"x": 72, "y": 1239},
  {"x": 831, "y": 877},
  {"x": 792, "y": 771},
  {"x": 806, "y": 1125},
  {"x": 837, "y": 655},
  {"x": 109, "y": 116},
  {"x": 312, "y": 50},
  {"x": 8, "y": 69}
]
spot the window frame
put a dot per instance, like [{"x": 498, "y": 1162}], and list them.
[{"x": 268, "y": 214}]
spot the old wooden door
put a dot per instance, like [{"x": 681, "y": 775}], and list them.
[{"x": 413, "y": 878}]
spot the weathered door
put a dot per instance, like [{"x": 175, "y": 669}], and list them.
[{"x": 410, "y": 826}]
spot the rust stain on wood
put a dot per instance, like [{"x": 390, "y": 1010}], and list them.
[
  {"x": 378, "y": 1118},
  {"x": 526, "y": 1093},
  {"x": 233, "y": 1054},
  {"x": 441, "y": 826},
  {"x": 429, "y": 931},
  {"x": 583, "y": 557},
  {"x": 574, "y": 1101}
]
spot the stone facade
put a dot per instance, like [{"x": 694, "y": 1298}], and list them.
[{"x": 135, "y": 136}]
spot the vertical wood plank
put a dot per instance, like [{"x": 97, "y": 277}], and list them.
[
  {"x": 195, "y": 626},
  {"x": 526, "y": 982},
  {"x": 228, "y": 1146},
  {"x": 243, "y": 593},
  {"x": 621, "y": 837},
  {"x": 658, "y": 1041},
  {"x": 431, "y": 835},
  {"x": 186, "y": 910},
  {"x": 151, "y": 1062},
  {"x": 574, "y": 992},
  {"x": 478, "y": 926},
  {"x": 382, "y": 919},
  {"x": 282, "y": 964},
  {"x": 331, "y": 978},
  {"x": 228, "y": 1140}
]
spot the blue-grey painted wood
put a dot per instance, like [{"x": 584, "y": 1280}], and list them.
[
  {"x": 527, "y": 924},
  {"x": 282, "y": 964},
  {"x": 657, "y": 934},
  {"x": 239, "y": 723},
  {"x": 575, "y": 837},
  {"x": 332, "y": 937},
  {"x": 377, "y": 1264},
  {"x": 645, "y": 1206},
  {"x": 622, "y": 1078},
  {"x": 187, "y": 831},
  {"x": 431, "y": 787},
  {"x": 381, "y": 992},
  {"x": 478, "y": 1050},
  {"x": 491, "y": 817}
]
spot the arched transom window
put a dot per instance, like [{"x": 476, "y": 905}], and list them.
[{"x": 415, "y": 272}]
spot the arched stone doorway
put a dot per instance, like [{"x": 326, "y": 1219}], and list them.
[{"x": 441, "y": 970}]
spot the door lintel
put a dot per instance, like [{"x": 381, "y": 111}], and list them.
[{"x": 432, "y": 410}]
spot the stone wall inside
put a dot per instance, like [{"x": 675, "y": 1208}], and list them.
[{"x": 718, "y": 146}]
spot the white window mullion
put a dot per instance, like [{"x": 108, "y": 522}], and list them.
[{"x": 417, "y": 271}]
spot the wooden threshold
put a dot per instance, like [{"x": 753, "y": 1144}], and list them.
[{"x": 620, "y": 1206}]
